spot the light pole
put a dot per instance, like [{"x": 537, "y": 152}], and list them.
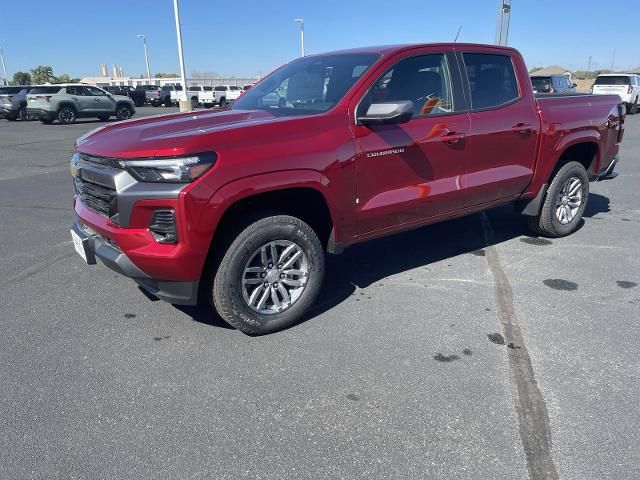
[
  {"x": 146, "y": 56},
  {"x": 183, "y": 95},
  {"x": 4, "y": 68},
  {"x": 301, "y": 22}
]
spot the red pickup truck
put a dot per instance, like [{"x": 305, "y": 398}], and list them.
[{"x": 239, "y": 206}]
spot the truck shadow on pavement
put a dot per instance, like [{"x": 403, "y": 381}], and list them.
[{"x": 363, "y": 265}]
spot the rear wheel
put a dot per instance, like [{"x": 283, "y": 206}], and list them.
[
  {"x": 123, "y": 112},
  {"x": 633, "y": 108},
  {"x": 269, "y": 276},
  {"x": 565, "y": 202},
  {"x": 194, "y": 102},
  {"x": 223, "y": 102},
  {"x": 67, "y": 115}
]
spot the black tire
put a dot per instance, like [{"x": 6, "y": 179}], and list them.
[
  {"x": 167, "y": 102},
  {"x": 103, "y": 118},
  {"x": 223, "y": 102},
  {"x": 12, "y": 118},
  {"x": 227, "y": 290},
  {"x": 67, "y": 115},
  {"x": 194, "y": 102},
  {"x": 548, "y": 223},
  {"x": 155, "y": 104},
  {"x": 123, "y": 112},
  {"x": 634, "y": 107},
  {"x": 22, "y": 113}
]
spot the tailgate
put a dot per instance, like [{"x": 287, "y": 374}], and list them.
[{"x": 610, "y": 89}]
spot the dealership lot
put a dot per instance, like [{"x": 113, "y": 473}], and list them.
[{"x": 439, "y": 353}]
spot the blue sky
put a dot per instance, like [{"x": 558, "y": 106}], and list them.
[{"x": 247, "y": 37}]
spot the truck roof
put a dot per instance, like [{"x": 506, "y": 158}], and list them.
[
  {"x": 391, "y": 49},
  {"x": 616, "y": 74}
]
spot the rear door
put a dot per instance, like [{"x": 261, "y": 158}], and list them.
[
  {"x": 408, "y": 173},
  {"x": 504, "y": 126}
]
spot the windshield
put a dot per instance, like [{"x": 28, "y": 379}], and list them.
[
  {"x": 541, "y": 84},
  {"x": 309, "y": 85},
  {"x": 613, "y": 80}
]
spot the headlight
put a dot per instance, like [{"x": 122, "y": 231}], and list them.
[{"x": 172, "y": 170}]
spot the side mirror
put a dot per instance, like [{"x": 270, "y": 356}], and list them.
[
  {"x": 575, "y": 85},
  {"x": 388, "y": 113}
]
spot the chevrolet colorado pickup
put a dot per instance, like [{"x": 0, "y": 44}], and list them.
[{"x": 237, "y": 207}]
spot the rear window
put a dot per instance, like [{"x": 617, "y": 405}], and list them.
[
  {"x": 207, "y": 89},
  {"x": 613, "y": 80},
  {"x": 10, "y": 90},
  {"x": 234, "y": 88},
  {"x": 492, "y": 79},
  {"x": 50, "y": 90},
  {"x": 541, "y": 84},
  {"x": 195, "y": 89},
  {"x": 220, "y": 89}
]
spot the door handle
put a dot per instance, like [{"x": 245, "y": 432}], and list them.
[
  {"x": 452, "y": 138},
  {"x": 522, "y": 128},
  {"x": 96, "y": 99},
  {"x": 75, "y": 99}
]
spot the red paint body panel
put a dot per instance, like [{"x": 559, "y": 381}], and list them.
[{"x": 367, "y": 195}]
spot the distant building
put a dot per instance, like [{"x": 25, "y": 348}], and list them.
[{"x": 104, "y": 81}]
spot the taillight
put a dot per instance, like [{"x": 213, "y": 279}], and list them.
[{"x": 629, "y": 89}]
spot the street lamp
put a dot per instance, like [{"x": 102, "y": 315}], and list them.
[
  {"x": 146, "y": 56},
  {"x": 301, "y": 22},
  {"x": 4, "y": 68},
  {"x": 183, "y": 97}
]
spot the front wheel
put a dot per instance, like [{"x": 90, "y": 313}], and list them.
[
  {"x": 632, "y": 108},
  {"x": 269, "y": 276},
  {"x": 123, "y": 112},
  {"x": 67, "y": 115},
  {"x": 564, "y": 203}
]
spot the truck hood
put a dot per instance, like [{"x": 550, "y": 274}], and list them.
[{"x": 168, "y": 135}]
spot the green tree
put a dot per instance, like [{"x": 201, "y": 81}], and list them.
[
  {"x": 21, "y": 78},
  {"x": 535, "y": 69},
  {"x": 64, "y": 78},
  {"x": 166, "y": 75},
  {"x": 42, "y": 74}
]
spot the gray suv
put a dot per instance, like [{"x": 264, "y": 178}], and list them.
[
  {"x": 68, "y": 102},
  {"x": 13, "y": 102}
]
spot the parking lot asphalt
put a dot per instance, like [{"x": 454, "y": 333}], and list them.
[{"x": 463, "y": 350}]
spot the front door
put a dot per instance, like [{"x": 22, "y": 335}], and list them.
[
  {"x": 100, "y": 101},
  {"x": 411, "y": 172}
]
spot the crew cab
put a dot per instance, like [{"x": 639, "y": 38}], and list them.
[
  {"x": 627, "y": 86},
  {"x": 236, "y": 208},
  {"x": 201, "y": 95},
  {"x": 225, "y": 94}
]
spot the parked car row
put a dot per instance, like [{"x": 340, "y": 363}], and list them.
[
  {"x": 63, "y": 102},
  {"x": 625, "y": 85},
  {"x": 208, "y": 96}
]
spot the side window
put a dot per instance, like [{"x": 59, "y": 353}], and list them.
[
  {"x": 492, "y": 79},
  {"x": 424, "y": 80},
  {"x": 95, "y": 92}
]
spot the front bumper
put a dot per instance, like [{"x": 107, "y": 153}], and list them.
[{"x": 96, "y": 246}]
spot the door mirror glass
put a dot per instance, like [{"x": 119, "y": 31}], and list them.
[{"x": 387, "y": 113}]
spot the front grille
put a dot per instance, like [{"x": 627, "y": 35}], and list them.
[{"x": 96, "y": 197}]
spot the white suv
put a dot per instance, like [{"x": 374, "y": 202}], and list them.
[{"x": 626, "y": 85}]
